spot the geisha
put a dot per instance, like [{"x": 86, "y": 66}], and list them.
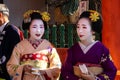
[
  {"x": 34, "y": 58},
  {"x": 88, "y": 59}
]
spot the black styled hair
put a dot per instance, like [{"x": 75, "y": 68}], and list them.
[
  {"x": 34, "y": 15},
  {"x": 94, "y": 18}
]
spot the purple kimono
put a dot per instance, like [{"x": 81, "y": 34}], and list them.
[{"x": 96, "y": 54}]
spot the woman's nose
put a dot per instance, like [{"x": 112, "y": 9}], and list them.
[
  {"x": 80, "y": 30},
  {"x": 38, "y": 30}
]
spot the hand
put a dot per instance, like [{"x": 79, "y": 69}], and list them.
[
  {"x": 27, "y": 68},
  {"x": 77, "y": 71},
  {"x": 89, "y": 76},
  {"x": 42, "y": 71},
  {"x": 55, "y": 72}
]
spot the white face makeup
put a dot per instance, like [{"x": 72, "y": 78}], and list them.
[
  {"x": 84, "y": 29},
  {"x": 36, "y": 29}
]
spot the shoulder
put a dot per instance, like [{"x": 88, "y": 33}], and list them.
[
  {"x": 102, "y": 47},
  {"x": 10, "y": 30},
  {"x": 46, "y": 41},
  {"x": 100, "y": 44},
  {"x": 74, "y": 47},
  {"x": 11, "y": 27},
  {"x": 23, "y": 42}
]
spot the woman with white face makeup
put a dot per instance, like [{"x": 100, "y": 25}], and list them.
[
  {"x": 36, "y": 29},
  {"x": 34, "y": 58},
  {"x": 84, "y": 31},
  {"x": 88, "y": 59}
]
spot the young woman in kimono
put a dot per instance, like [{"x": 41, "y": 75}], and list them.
[
  {"x": 88, "y": 59},
  {"x": 34, "y": 58}
]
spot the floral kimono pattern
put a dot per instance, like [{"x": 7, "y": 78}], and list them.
[
  {"x": 44, "y": 57},
  {"x": 95, "y": 57}
]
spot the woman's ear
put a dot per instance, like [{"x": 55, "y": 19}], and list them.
[
  {"x": 93, "y": 32},
  {"x": 28, "y": 31},
  {"x": 1, "y": 14}
]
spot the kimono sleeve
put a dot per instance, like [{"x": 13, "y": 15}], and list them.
[
  {"x": 55, "y": 59},
  {"x": 67, "y": 69},
  {"x": 108, "y": 66},
  {"x": 53, "y": 70},
  {"x": 13, "y": 65}
]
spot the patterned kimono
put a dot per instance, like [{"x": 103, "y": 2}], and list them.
[
  {"x": 96, "y": 55},
  {"x": 43, "y": 57}
]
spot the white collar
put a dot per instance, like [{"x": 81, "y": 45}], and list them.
[
  {"x": 2, "y": 26},
  {"x": 84, "y": 48}
]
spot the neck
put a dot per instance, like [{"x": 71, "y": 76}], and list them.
[
  {"x": 34, "y": 40},
  {"x": 87, "y": 42}
]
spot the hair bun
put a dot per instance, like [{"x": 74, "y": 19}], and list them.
[{"x": 31, "y": 15}]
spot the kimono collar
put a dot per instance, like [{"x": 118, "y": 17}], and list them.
[
  {"x": 35, "y": 43},
  {"x": 86, "y": 48}
]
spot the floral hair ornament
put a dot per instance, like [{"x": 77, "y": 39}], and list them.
[
  {"x": 94, "y": 16},
  {"x": 45, "y": 16},
  {"x": 27, "y": 18}
]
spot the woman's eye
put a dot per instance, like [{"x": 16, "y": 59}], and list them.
[
  {"x": 34, "y": 27},
  {"x": 77, "y": 26},
  {"x": 84, "y": 27},
  {"x": 41, "y": 26}
]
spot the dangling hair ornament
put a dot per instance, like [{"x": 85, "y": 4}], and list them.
[{"x": 94, "y": 16}]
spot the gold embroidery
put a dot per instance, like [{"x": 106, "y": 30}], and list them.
[
  {"x": 110, "y": 57},
  {"x": 106, "y": 77},
  {"x": 103, "y": 58},
  {"x": 15, "y": 67}
]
